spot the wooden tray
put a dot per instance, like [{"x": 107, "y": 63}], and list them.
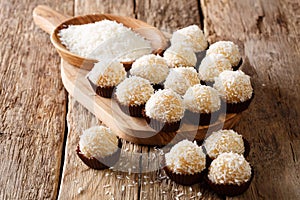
[
  {"x": 132, "y": 129},
  {"x": 74, "y": 79}
]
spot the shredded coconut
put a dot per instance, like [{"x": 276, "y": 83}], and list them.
[
  {"x": 202, "y": 99},
  {"x": 224, "y": 141},
  {"x": 229, "y": 168},
  {"x": 151, "y": 67},
  {"x": 212, "y": 65},
  {"x": 165, "y": 105},
  {"x": 96, "y": 40},
  {"x": 191, "y": 36},
  {"x": 134, "y": 91},
  {"x": 186, "y": 157},
  {"x": 234, "y": 86},
  {"x": 106, "y": 74},
  {"x": 98, "y": 142},
  {"x": 181, "y": 78},
  {"x": 228, "y": 49},
  {"x": 179, "y": 55}
]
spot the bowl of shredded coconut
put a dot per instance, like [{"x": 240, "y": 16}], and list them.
[{"x": 85, "y": 40}]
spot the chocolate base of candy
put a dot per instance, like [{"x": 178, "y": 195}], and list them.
[
  {"x": 162, "y": 126},
  {"x": 184, "y": 179},
  {"x": 105, "y": 92},
  {"x": 229, "y": 189},
  {"x": 132, "y": 110},
  {"x": 238, "y": 107},
  {"x": 101, "y": 163},
  {"x": 201, "y": 119}
]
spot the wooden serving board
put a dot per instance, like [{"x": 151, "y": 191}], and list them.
[
  {"x": 74, "y": 79},
  {"x": 132, "y": 129}
]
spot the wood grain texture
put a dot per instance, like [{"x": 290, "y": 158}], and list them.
[
  {"x": 80, "y": 182},
  {"x": 168, "y": 15},
  {"x": 32, "y": 106},
  {"x": 47, "y": 18},
  {"x": 118, "y": 7},
  {"x": 268, "y": 33}
]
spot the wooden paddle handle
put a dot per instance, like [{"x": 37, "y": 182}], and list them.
[{"x": 47, "y": 19}]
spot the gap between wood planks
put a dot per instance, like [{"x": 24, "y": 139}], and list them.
[
  {"x": 63, "y": 147},
  {"x": 201, "y": 16},
  {"x": 66, "y": 128},
  {"x": 134, "y": 9}
]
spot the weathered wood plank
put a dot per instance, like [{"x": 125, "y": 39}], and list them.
[
  {"x": 78, "y": 181},
  {"x": 32, "y": 105},
  {"x": 81, "y": 182},
  {"x": 268, "y": 33},
  {"x": 119, "y": 7},
  {"x": 168, "y": 15}
]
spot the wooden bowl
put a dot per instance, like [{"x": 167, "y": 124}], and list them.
[{"x": 44, "y": 15}]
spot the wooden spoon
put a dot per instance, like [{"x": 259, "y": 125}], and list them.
[{"x": 52, "y": 22}]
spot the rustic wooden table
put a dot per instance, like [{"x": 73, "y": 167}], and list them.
[{"x": 40, "y": 124}]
